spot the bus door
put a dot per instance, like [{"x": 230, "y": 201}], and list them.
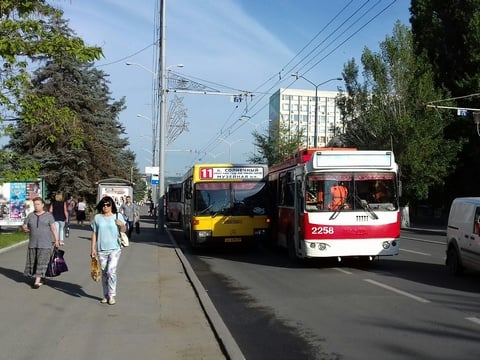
[{"x": 298, "y": 211}]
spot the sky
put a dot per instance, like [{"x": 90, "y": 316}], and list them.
[{"x": 232, "y": 46}]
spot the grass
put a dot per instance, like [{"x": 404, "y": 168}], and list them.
[{"x": 8, "y": 238}]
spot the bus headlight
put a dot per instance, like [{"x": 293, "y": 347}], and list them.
[
  {"x": 260, "y": 232},
  {"x": 322, "y": 246},
  {"x": 204, "y": 234},
  {"x": 386, "y": 245}
]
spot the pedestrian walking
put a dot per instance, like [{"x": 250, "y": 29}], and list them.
[
  {"x": 130, "y": 212},
  {"x": 58, "y": 208},
  {"x": 71, "y": 203},
  {"x": 81, "y": 211},
  {"x": 105, "y": 245},
  {"x": 43, "y": 235},
  {"x": 151, "y": 208}
]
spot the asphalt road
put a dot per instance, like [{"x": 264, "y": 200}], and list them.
[{"x": 403, "y": 307}]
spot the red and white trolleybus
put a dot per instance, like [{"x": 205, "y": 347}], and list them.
[{"x": 336, "y": 202}]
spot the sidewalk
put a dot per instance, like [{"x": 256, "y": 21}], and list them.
[{"x": 162, "y": 310}]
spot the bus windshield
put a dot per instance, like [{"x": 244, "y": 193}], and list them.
[
  {"x": 237, "y": 198},
  {"x": 351, "y": 191}
]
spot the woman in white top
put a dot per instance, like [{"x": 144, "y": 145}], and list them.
[
  {"x": 105, "y": 245},
  {"x": 81, "y": 207}
]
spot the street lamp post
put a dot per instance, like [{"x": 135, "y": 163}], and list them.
[
  {"x": 214, "y": 156},
  {"x": 315, "y": 140},
  {"x": 230, "y": 147},
  {"x": 160, "y": 89}
]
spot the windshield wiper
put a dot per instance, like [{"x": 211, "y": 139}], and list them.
[
  {"x": 205, "y": 210},
  {"x": 337, "y": 211},
  {"x": 364, "y": 204}
]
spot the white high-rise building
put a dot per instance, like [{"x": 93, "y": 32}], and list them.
[{"x": 295, "y": 110}]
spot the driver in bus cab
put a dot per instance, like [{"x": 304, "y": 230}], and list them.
[{"x": 339, "y": 195}]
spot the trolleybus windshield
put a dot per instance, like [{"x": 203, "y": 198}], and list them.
[{"x": 350, "y": 191}]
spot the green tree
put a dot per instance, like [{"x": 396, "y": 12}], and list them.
[
  {"x": 275, "y": 147},
  {"x": 32, "y": 32},
  {"x": 77, "y": 140},
  {"x": 447, "y": 36},
  {"x": 388, "y": 112}
]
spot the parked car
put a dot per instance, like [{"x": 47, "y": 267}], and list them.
[{"x": 463, "y": 235}]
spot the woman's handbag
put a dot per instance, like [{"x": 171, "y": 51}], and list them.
[
  {"x": 122, "y": 238},
  {"x": 57, "y": 264},
  {"x": 95, "y": 269}
]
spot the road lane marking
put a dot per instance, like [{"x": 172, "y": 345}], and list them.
[
  {"x": 416, "y": 252},
  {"x": 423, "y": 240},
  {"x": 398, "y": 291},
  {"x": 473, "y": 319},
  {"x": 344, "y": 271}
]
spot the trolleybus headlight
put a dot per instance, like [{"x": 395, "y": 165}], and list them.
[
  {"x": 322, "y": 246},
  {"x": 386, "y": 245}
]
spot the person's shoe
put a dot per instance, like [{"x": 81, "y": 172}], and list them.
[
  {"x": 111, "y": 300},
  {"x": 104, "y": 301},
  {"x": 62, "y": 243},
  {"x": 37, "y": 285}
]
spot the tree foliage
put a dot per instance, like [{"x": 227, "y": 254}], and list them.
[
  {"x": 273, "y": 149},
  {"x": 447, "y": 36},
  {"x": 387, "y": 111},
  {"x": 33, "y": 32},
  {"x": 76, "y": 139}
]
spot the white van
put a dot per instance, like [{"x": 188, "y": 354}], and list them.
[{"x": 463, "y": 235}]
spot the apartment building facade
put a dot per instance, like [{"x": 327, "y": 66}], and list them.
[{"x": 294, "y": 110}]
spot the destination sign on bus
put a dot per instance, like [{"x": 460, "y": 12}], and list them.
[
  {"x": 231, "y": 173},
  {"x": 369, "y": 159}
]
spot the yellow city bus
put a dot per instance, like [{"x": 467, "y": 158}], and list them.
[{"x": 225, "y": 204}]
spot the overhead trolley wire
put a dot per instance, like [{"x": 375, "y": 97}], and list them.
[{"x": 253, "y": 110}]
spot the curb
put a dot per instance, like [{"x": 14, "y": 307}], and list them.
[
  {"x": 5, "y": 249},
  {"x": 221, "y": 331}
]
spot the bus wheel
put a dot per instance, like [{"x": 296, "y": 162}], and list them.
[{"x": 453, "y": 261}]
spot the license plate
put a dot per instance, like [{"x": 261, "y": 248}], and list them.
[{"x": 233, "y": 239}]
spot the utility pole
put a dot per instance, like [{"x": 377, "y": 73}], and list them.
[
  {"x": 315, "y": 139},
  {"x": 163, "y": 120}
]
